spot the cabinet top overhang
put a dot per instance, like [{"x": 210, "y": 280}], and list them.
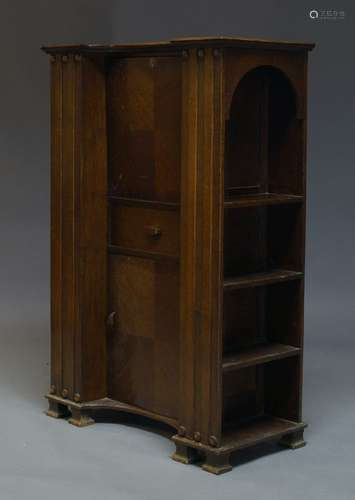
[{"x": 179, "y": 43}]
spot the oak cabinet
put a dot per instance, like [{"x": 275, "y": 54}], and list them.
[{"x": 178, "y": 223}]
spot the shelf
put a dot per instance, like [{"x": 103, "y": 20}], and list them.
[
  {"x": 261, "y": 279},
  {"x": 261, "y": 199},
  {"x": 256, "y": 431},
  {"x": 258, "y": 355}
]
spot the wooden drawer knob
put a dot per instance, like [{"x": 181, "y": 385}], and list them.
[{"x": 154, "y": 232}]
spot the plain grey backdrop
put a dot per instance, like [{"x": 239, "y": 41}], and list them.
[{"x": 43, "y": 458}]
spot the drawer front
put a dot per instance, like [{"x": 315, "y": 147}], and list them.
[{"x": 145, "y": 229}]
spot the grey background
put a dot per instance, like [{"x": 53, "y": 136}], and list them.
[{"x": 42, "y": 457}]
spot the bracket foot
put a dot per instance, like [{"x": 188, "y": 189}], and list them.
[
  {"x": 293, "y": 441},
  {"x": 184, "y": 454},
  {"x": 57, "y": 410},
  {"x": 217, "y": 464},
  {"x": 80, "y": 418}
]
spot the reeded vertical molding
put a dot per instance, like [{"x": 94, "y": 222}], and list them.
[
  {"x": 210, "y": 244},
  {"x": 78, "y": 228},
  {"x": 188, "y": 240},
  {"x": 202, "y": 266}
]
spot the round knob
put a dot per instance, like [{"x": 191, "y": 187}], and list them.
[
  {"x": 197, "y": 436},
  {"x": 213, "y": 441},
  {"x": 154, "y": 231},
  {"x": 182, "y": 431}
]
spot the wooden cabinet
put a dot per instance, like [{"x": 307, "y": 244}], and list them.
[{"x": 178, "y": 223}]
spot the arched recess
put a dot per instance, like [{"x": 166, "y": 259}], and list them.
[{"x": 263, "y": 143}]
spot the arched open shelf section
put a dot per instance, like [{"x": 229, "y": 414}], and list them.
[
  {"x": 263, "y": 143},
  {"x": 263, "y": 248}
]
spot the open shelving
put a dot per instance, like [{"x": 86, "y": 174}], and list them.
[{"x": 263, "y": 262}]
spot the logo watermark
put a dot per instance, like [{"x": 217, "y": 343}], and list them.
[{"x": 326, "y": 15}]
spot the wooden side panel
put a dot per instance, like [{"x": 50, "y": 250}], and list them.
[
  {"x": 69, "y": 230},
  {"x": 243, "y": 395},
  {"x": 78, "y": 228},
  {"x": 243, "y": 319},
  {"x": 201, "y": 220}
]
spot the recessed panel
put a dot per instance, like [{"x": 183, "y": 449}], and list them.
[
  {"x": 144, "y": 124},
  {"x": 143, "y": 345}
]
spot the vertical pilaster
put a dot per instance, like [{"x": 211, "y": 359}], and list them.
[
  {"x": 78, "y": 228},
  {"x": 202, "y": 233}
]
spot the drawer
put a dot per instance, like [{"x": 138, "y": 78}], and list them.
[{"x": 151, "y": 230}]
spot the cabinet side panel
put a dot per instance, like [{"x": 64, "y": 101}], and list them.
[{"x": 69, "y": 228}]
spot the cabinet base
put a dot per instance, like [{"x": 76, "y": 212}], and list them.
[
  {"x": 64, "y": 409},
  {"x": 215, "y": 460},
  {"x": 80, "y": 413},
  {"x": 257, "y": 431}
]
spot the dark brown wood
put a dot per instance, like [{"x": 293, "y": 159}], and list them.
[
  {"x": 216, "y": 464},
  {"x": 78, "y": 230},
  {"x": 250, "y": 433},
  {"x": 146, "y": 229},
  {"x": 255, "y": 200},
  {"x": 181, "y": 43},
  {"x": 65, "y": 408},
  {"x": 178, "y": 235},
  {"x": 261, "y": 279},
  {"x": 259, "y": 355}
]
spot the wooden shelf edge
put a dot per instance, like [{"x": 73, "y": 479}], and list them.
[
  {"x": 258, "y": 356},
  {"x": 261, "y": 279},
  {"x": 255, "y": 200},
  {"x": 263, "y": 429}
]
